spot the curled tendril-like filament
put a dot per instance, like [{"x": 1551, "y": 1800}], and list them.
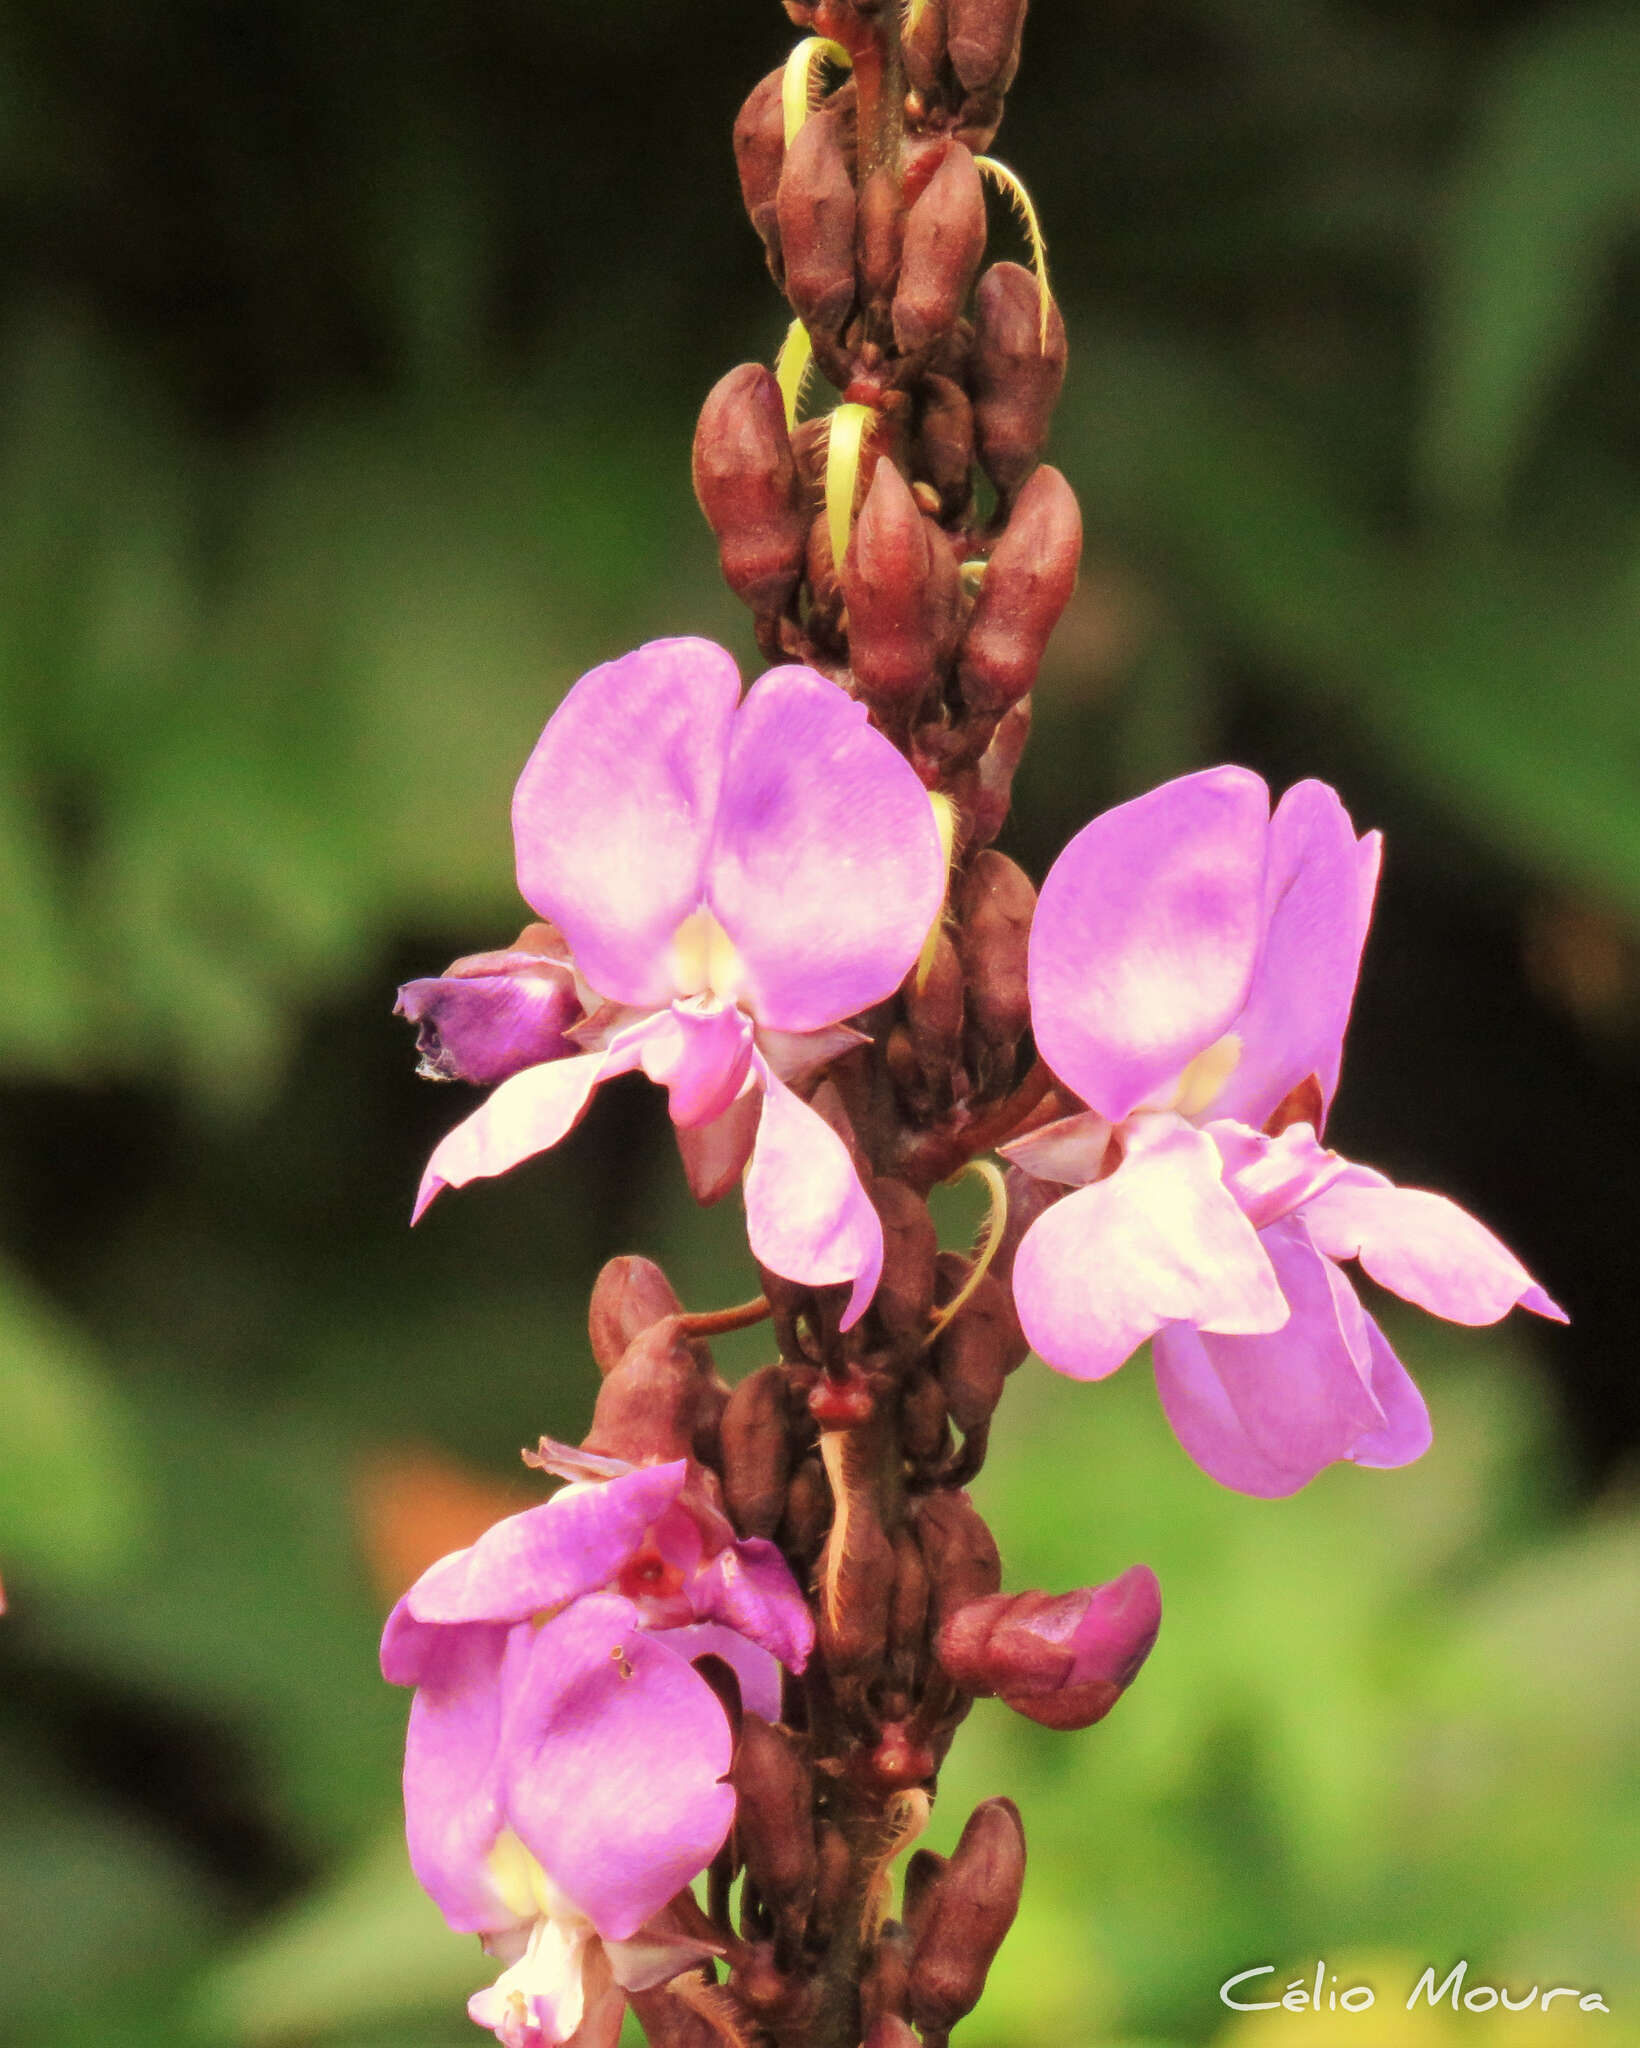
[
  {"x": 996, "y": 1222},
  {"x": 793, "y": 367},
  {"x": 846, "y": 435},
  {"x": 1013, "y": 187},
  {"x": 800, "y": 87}
]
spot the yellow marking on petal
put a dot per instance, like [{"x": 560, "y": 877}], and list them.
[
  {"x": 945, "y": 824},
  {"x": 1010, "y": 183},
  {"x": 845, "y": 439},
  {"x": 800, "y": 84},
  {"x": 996, "y": 1222},
  {"x": 514, "y": 1872},
  {"x": 792, "y": 369},
  {"x": 704, "y": 960},
  {"x": 1202, "y": 1080}
]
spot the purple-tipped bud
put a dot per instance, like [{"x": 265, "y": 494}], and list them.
[
  {"x": 994, "y": 914},
  {"x": 760, "y": 150},
  {"x": 983, "y": 38},
  {"x": 489, "y": 1015},
  {"x": 969, "y": 1909},
  {"x": 1027, "y": 584},
  {"x": 747, "y": 482},
  {"x": 944, "y": 241},
  {"x": 658, "y": 1403},
  {"x": 758, "y": 1450},
  {"x": 887, "y": 586},
  {"x": 945, "y": 442},
  {"x": 1064, "y": 1661},
  {"x": 815, "y": 203},
  {"x": 629, "y": 1295},
  {"x": 1014, "y": 379}
]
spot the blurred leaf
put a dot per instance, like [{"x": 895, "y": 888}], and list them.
[
  {"x": 368, "y": 1946},
  {"x": 1547, "y": 180},
  {"x": 72, "y": 1487}
]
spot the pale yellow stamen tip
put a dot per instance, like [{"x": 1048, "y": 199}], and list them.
[
  {"x": 996, "y": 1222},
  {"x": 704, "y": 960},
  {"x": 1201, "y": 1081},
  {"x": 945, "y": 824}
]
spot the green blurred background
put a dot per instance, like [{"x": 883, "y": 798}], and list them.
[{"x": 350, "y": 358}]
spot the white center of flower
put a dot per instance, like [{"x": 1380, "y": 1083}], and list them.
[
  {"x": 1201, "y": 1082},
  {"x": 704, "y": 960}
]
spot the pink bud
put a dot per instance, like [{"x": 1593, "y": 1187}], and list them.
[
  {"x": 971, "y": 1907},
  {"x": 629, "y": 1295},
  {"x": 1015, "y": 379},
  {"x": 1063, "y": 1661},
  {"x": 760, "y": 149},
  {"x": 815, "y": 206},
  {"x": 747, "y": 482},
  {"x": 1027, "y": 584}
]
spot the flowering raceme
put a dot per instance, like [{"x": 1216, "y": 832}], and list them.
[
  {"x": 563, "y": 1770},
  {"x": 1192, "y": 964},
  {"x": 732, "y": 879}
]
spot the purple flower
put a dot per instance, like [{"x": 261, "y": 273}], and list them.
[
  {"x": 564, "y": 1764},
  {"x": 733, "y": 878},
  {"x": 1062, "y": 1660},
  {"x": 1192, "y": 964},
  {"x": 491, "y": 1014}
]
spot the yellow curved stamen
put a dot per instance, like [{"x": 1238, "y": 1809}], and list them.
[
  {"x": 792, "y": 368},
  {"x": 945, "y": 824},
  {"x": 800, "y": 86},
  {"x": 1010, "y": 183},
  {"x": 996, "y": 1222},
  {"x": 845, "y": 439}
]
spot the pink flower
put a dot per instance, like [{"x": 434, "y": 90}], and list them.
[
  {"x": 733, "y": 878},
  {"x": 563, "y": 1773},
  {"x": 1192, "y": 965}
]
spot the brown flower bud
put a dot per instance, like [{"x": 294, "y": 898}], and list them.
[
  {"x": 1015, "y": 380},
  {"x": 925, "y": 1434},
  {"x": 994, "y": 782},
  {"x": 747, "y": 483},
  {"x": 905, "y": 1294},
  {"x": 922, "y": 45},
  {"x": 908, "y": 1612},
  {"x": 923, "y": 1871},
  {"x": 945, "y": 443},
  {"x": 808, "y": 1511},
  {"x": 756, "y": 1436},
  {"x": 857, "y": 1570},
  {"x": 944, "y": 241},
  {"x": 983, "y": 39},
  {"x": 629, "y": 1294},
  {"x": 934, "y": 1012},
  {"x": 960, "y": 1552},
  {"x": 881, "y": 230},
  {"x": 886, "y": 583},
  {"x": 994, "y": 910},
  {"x": 658, "y": 1403},
  {"x": 1062, "y": 1661},
  {"x": 883, "y": 1991},
  {"x": 815, "y": 205},
  {"x": 774, "y": 1815},
  {"x": 971, "y": 1909},
  {"x": 1027, "y": 584},
  {"x": 760, "y": 149},
  {"x": 977, "y": 1349}
]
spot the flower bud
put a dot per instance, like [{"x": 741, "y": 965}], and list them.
[
  {"x": 994, "y": 911},
  {"x": 1015, "y": 380},
  {"x": 945, "y": 442},
  {"x": 883, "y": 1991},
  {"x": 815, "y": 206},
  {"x": 881, "y": 232},
  {"x": 960, "y": 1552},
  {"x": 922, "y": 45},
  {"x": 982, "y": 37},
  {"x": 934, "y": 1012},
  {"x": 908, "y": 1612},
  {"x": 993, "y": 786},
  {"x": 970, "y": 1910},
  {"x": 977, "y": 1349},
  {"x": 489, "y": 1015},
  {"x": 807, "y": 1517},
  {"x": 760, "y": 150},
  {"x": 658, "y": 1403},
  {"x": 886, "y": 584},
  {"x": 1064, "y": 1661},
  {"x": 923, "y": 1871},
  {"x": 757, "y": 1450},
  {"x": 774, "y": 1816},
  {"x": 905, "y": 1294},
  {"x": 944, "y": 241},
  {"x": 1027, "y": 584},
  {"x": 747, "y": 483},
  {"x": 629, "y": 1294}
]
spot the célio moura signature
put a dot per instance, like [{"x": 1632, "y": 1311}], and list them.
[{"x": 1322, "y": 1994}]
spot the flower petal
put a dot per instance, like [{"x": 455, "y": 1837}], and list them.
[
  {"x": 1317, "y": 903},
  {"x": 614, "y": 1751},
  {"x": 807, "y": 1216},
  {"x": 714, "y": 1154},
  {"x": 617, "y": 805},
  {"x": 700, "y": 1055},
  {"x": 748, "y": 1586},
  {"x": 485, "y": 1027},
  {"x": 528, "y": 1114},
  {"x": 1406, "y": 1433},
  {"x": 757, "y": 1671},
  {"x": 1146, "y": 935},
  {"x": 1295, "y": 1399},
  {"x": 827, "y": 870},
  {"x": 1270, "y": 1177},
  {"x": 1070, "y": 1150},
  {"x": 1424, "y": 1248},
  {"x": 452, "y": 1770},
  {"x": 1160, "y": 1240},
  {"x": 572, "y": 1544},
  {"x": 549, "y": 1978}
]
